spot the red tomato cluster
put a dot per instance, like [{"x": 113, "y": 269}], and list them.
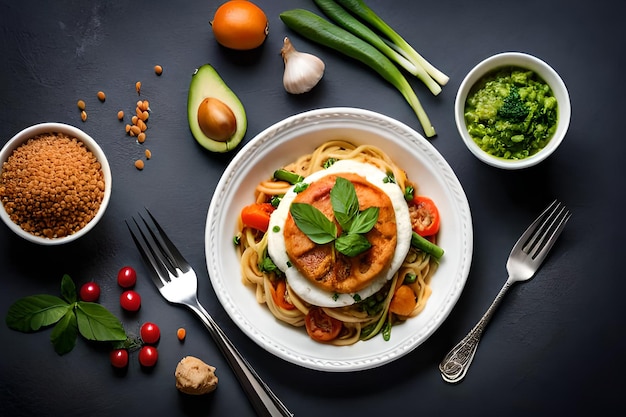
[{"x": 130, "y": 300}]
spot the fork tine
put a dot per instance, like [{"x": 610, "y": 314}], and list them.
[
  {"x": 167, "y": 246},
  {"x": 538, "y": 239},
  {"x": 551, "y": 234},
  {"x": 146, "y": 254}
]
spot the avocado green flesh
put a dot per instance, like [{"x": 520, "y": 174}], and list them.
[{"x": 206, "y": 82}]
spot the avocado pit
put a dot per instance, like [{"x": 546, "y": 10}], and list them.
[{"x": 216, "y": 119}]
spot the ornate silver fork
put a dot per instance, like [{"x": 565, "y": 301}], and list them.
[
  {"x": 525, "y": 259},
  {"x": 178, "y": 284}
]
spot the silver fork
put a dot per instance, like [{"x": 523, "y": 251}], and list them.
[
  {"x": 177, "y": 282},
  {"x": 526, "y": 256}
]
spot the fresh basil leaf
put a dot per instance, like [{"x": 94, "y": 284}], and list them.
[
  {"x": 365, "y": 220},
  {"x": 68, "y": 289},
  {"x": 345, "y": 203},
  {"x": 64, "y": 333},
  {"x": 268, "y": 265},
  {"x": 97, "y": 323},
  {"x": 313, "y": 223},
  {"x": 352, "y": 244},
  {"x": 30, "y": 313}
]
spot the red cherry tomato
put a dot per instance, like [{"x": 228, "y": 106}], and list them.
[
  {"x": 148, "y": 356},
  {"x": 320, "y": 326},
  {"x": 150, "y": 333},
  {"x": 130, "y": 300},
  {"x": 119, "y": 358},
  {"x": 90, "y": 291},
  {"x": 127, "y": 277},
  {"x": 424, "y": 216}
]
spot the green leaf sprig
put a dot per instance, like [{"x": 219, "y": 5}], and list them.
[
  {"x": 354, "y": 222},
  {"x": 69, "y": 316}
]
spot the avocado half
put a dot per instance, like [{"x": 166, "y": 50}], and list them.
[{"x": 206, "y": 83}]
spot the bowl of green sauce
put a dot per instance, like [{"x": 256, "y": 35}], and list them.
[{"x": 512, "y": 110}]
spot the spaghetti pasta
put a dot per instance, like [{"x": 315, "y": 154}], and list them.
[{"x": 365, "y": 318}]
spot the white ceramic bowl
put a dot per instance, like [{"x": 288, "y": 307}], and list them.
[
  {"x": 90, "y": 144},
  {"x": 549, "y": 75},
  {"x": 281, "y": 144}
]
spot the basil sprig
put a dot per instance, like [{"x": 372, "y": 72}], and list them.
[
  {"x": 354, "y": 223},
  {"x": 69, "y": 316}
]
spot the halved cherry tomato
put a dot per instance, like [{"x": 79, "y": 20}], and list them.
[
  {"x": 257, "y": 215},
  {"x": 320, "y": 326},
  {"x": 279, "y": 293},
  {"x": 424, "y": 214}
]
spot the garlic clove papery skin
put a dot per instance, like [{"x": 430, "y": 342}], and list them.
[{"x": 302, "y": 70}]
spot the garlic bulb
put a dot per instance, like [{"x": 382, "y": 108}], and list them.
[{"x": 302, "y": 71}]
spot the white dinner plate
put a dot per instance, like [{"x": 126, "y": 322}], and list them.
[{"x": 281, "y": 144}]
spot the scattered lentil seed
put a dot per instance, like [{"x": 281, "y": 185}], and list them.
[
  {"x": 138, "y": 87},
  {"x": 181, "y": 334},
  {"x": 148, "y": 153},
  {"x": 128, "y": 128},
  {"x": 134, "y": 119},
  {"x": 135, "y": 130},
  {"x": 142, "y": 125},
  {"x": 158, "y": 70},
  {"x": 139, "y": 164},
  {"x": 83, "y": 116},
  {"x": 120, "y": 115},
  {"x": 101, "y": 96},
  {"x": 81, "y": 105},
  {"x": 141, "y": 138}
]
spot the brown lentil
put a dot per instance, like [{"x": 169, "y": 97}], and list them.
[
  {"x": 139, "y": 164},
  {"x": 120, "y": 115},
  {"x": 83, "y": 116},
  {"x": 181, "y": 333},
  {"x": 101, "y": 96},
  {"x": 141, "y": 138},
  {"x": 135, "y": 130},
  {"x": 148, "y": 154},
  {"x": 138, "y": 87},
  {"x": 81, "y": 105},
  {"x": 158, "y": 70},
  {"x": 52, "y": 185}
]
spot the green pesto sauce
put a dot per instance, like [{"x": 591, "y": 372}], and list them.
[{"x": 511, "y": 113}]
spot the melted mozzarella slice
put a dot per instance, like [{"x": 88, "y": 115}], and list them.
[{"x": 307, "y": 290}]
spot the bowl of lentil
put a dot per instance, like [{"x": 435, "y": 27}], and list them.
[
  {"x": 55, "y": 183},
  {"x": 512, "y": 110}
]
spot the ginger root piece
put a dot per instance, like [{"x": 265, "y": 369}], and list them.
[{"x": 195, "y": 377}]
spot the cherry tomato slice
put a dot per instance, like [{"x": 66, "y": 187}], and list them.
[
  {"x": 119, "y": 358},
  {"x": 148, "y": 356},
  {"x": 127, "y": 277},
  {"x": 424, "y": 214},
  {"x": 150, "y": 333},
  {"x": 320, "y": 326},
  {"x": 130, "y": 300},
  {"x": 90, "y": 291}
]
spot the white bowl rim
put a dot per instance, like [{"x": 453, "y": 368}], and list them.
[
  {"x": 91, "y": 144},
  {"x": 547, "y": 73}
]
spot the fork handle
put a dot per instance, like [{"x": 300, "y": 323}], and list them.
[
  {"x": 263, "y": 399},
  {"x": 456, "y": 363}
]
